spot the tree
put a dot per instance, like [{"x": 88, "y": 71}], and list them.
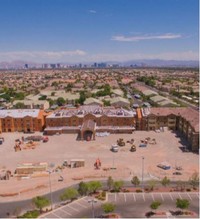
[
  {"x": 19, "y": 105},
  {"x": 152, "y": 184},
  {"x": 165, "y": 181},
  {"x": 110, "y": 182},
  {"x": 194, "y": 180},
  {"x": 154, "y": 205},
  {"x": 93, "y": 186},
  {"x": 70, "y": 194},
  {"x": 182, "y": 203},
  {"x": 41, "y": 202},
  {"x": 106, "y": 102},
  {"x": 118, "y": 185},
  {"x": 82, "y": 97},
  {"x": 135, "y": 181},
  {"x": 60, "y": 101},
  {"x": 108, "y": 207},
  {"x": 43, "y": 97},
  {"x": 83, "y": 188}
]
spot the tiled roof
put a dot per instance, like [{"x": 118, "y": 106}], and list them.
[{"x": 93, "y": 109}]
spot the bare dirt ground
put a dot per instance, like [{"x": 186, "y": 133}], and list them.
[{"x": 65, "y": 147}]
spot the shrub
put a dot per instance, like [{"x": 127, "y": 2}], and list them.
[
  {"x": 30, "y": 214},
  {"x": 108, "y": 207},
  {"x": 138, "y": 190},
  {"x": 103, "y": 194}
]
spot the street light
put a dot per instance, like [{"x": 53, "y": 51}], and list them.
[
  {"x": 50, "y": 189},
  {"x": 92, "y": 201},
  {"x": 143, "y": 173}
]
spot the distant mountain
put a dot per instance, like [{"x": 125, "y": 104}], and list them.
[
  {"x": 18, "y": 64},
  {"x": 162, "y": 63},
  {"x": 135, "y": 63}
]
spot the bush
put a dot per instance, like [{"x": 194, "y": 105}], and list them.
[
  {"x": 103, "y": 194},
  {"x": 149, "y": 214},
  {"x": 188, "y": 190},
  {"x": 30, "y": 214},
  {"x": 138, "y": 190},
  {"x": 108, "y": 207}
]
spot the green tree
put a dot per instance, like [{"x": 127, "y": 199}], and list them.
[
  {"x": 135, "y": 181},
  {"x": 83, "y": 188},
  {"x": 93, "y": 186},
  {"x": 110, "y": 182},
  {"x": 19, "y": 105},
  {"x": 152, "y": 184},
  {"x": 69, "y": 87},
  {"x": 165, "y": 181},
  {"x": 154, "y": 205},
  {"x": 118, "y": 185},
  {"x": 41, "y": 202},
  {"x": 182, "y": 203},
  {"x": 69, "y": 194},
  {"x": 108, "y": 207},
  {"x": 54, "y": 84},
  {"x": 60, "y": 101},
  {"x": 106, "y": 102},
  {"x": 194, "y": 180},
  {"x": 53, "y": 93},
  {"x": 51, "y": 102},
  {"x": 43, "y": 97},
  {"x": 82, "y": 97},
  {"x": 19, "y": 96}
]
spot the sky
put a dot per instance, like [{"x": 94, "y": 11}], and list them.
[{"x": 98, "y": 30}]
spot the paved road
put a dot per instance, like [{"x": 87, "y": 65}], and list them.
[
  {"x": 17, "y": 206},
  {"x": 128, "y": 205}
]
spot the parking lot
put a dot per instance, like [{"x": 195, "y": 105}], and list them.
[{"x": 127, "y": 205}]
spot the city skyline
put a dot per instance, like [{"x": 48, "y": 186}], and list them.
[{"x": 98, "y": 31}]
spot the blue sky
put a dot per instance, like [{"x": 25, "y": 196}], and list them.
[{"x": 98, "y": 30}]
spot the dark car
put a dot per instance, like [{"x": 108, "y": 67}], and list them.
[{"x": 177, "y": 173}]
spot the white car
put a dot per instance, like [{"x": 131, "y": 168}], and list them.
[{"x": 115, "y": 148}]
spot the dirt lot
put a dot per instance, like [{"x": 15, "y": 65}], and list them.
[{"x": 65, "y": 147}]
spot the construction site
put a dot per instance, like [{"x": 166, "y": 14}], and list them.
[{"x": 27, "y": 160}]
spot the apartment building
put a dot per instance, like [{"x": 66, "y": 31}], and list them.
[
  {"x": 23, "y": 120},
  {"x": 184, "y": 120},
  {"x": 91, "y": 119}
]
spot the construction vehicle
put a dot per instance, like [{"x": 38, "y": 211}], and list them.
[
  {"x": 121, "y": 142},
  {"x": 45, "y": 139},
  {"x": 17, "y": 146},
  {"x": 5, "y": 174},
  {"x": 133, "y": 148}
]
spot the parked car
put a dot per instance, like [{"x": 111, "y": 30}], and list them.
[
  {"x": 177, "y": 173},
  {"x": 114, "y": 148}
]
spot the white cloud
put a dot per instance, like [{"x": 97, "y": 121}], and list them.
[
  {"x": 186, "y": 55},
  {"x": 37, "y": 55},
  {"x": 93, "y": 11},
  {"x": 122, "y": 38}
]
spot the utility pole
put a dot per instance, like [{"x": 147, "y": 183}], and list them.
[
  {"x": 50, "y": 189},
  {"x": 143, "y": 173}
]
